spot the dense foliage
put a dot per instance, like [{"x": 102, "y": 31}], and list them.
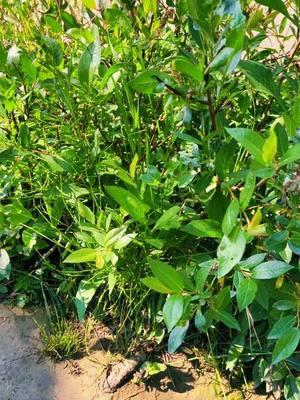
[{"x": 149, "y": 171}]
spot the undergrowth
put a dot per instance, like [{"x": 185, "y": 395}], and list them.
[{"x": 149, "y": 173}]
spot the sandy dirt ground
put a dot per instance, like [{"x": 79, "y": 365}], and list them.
[{"x": 25, "y": 374}]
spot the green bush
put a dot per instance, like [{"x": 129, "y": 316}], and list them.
[{"x": 154, "y": 145}]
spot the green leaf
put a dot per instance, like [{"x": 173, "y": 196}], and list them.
[
  {"x": 282, "y": 327},
  {"x": 230, "y": 217},
  {"x": 269, "y": 149},
  {"x": 51, "y": 163},
  {"x": 81, "y": 256},
  {"x": 222, "y": 299},
  {"x": 224, "y": 159},
  {"x": 227, "y": 319},
  {"x": 149, "y": 81},
  {"x": 292, "y": 155},
  {"x": 135, "y": 207},
  {"x": 84, "y": 295},
  {"x": 53, "y": 50},
  {"x": 155, "y": 284},
  {"x": 167, "y": 275},
  {"x": 286, "y": 345},
  {"x": 248, "y": 190},
  {"x": 150, "y": 6},
  {"x": 185, "y": 66},
  {"x": 200, "y": 320},
  {"x": 89, "y": 62},
  {"x": 202, "y": 274},
  {"x": 277, "y": 5},
  {"x": 176, "y": 337},
  {"x": 260, "y": 77},
  {"x": 292, "y": 388},
  {"x": 270, "y": 270},
  {"x": 85, "y": 212},
  {"x": 249, "y": 139},
  {"x": 173, "y": 310},
  {"x": 203, "y": 228},
  {"x": 246, "y": 293},
  {"x": 230, "y": 251},
  {"x": 89, "y": 4},
  {"x": 169, "y": 220},
  {"x": 5, "y": 266}
]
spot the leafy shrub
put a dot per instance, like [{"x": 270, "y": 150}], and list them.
[{"x": 162, "y": 135}]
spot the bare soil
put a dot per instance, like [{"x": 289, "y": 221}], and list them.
[{"x": 25, "y": 374}]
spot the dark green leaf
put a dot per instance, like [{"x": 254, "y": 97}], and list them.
[
  {"x": 230, "y": 218},
  {"x": 203, "y": 228},
  {"x": 286, "y": 345},
  {"x": 173, "y": 310},
  {"x": 270, "y": 270},
  {"x": 167, "y": 275},
  {"x": 227, "y": 319},
  {"x": 246, "y": 293},
  {"x": 230, "y": 251},
  {"x": 249, "y": 139},
  {"x": 176, "y": 337},
  {"x": 155, "y": 284},
  {"x": 282, "y": 327}
]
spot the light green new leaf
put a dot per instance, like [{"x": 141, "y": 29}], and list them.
[
  {"x": 135, "y": 207},
  {"x": 84, "y": 295},
  {"x": 246, "y": 293},
  {"x": 167, "y": 275},
  {"x": 81, "y": 256},
  {"x": 286, "y": 345},
  {"x": 249, "y": 139},
  {"x": 86, "y": 213},
  {"x": 269, "y": 149},
  {"x": 155, "y": 284},
  {"x": 230, "y": 217},
  {"x": 173, "y": 310},
  {"x": 270, "y": 270},
  {"x": 292, "y": 155},
  {"x": 230, "y": 251}
]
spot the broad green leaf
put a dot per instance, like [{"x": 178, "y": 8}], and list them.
[
  {"x": 277, "y": 5},
  {"x": 177, "y": 336},
  {"x": 249, "y": 139},
  {"x": 185, "y": 66},
  {"x": 260, "y": 77},
  {"x": 111, "y": 280},
  {"x": 247, "y": 191},
  {"x": 292, "y": 118},
  {"x": 81, "y": 256},
  {"x": 277, "y": 241},
  {"x": 269, "y": 149},
  {"x": 89, "y": 62},
  {"x": 84, "y": 295},
  {"x": 132, "y": 167},
  {"x": 230, "y": 218},
  {"x": 282, "y": 327},
  {"x": 200, "y": 320},
  {"x": 230, "y": 251},
  {"x": 167, "y": 275},
  {"x": 169, "y": 220},
  {"x": 135, "y": 207},
  {"x": 187, "y": 117},
  {"x": 85, "y": 212},
  {"x": 53, "y": 50},
  {"x": 292, "y": 155},
  {"x": 203, "y": 228},
  {"x": 202, "y": 274},
  {"x": 286, "y": 345},
  {"x": 246, "y": 293},
  {"x": 155, "y": 284},
  {"x": 292, "y": 388},
  {"x": 282, "y": 139},
  {"x": 224, "y": 159},
  {"x": 5, "y": 266},
  {"x": 235, "y": 351},
  {"x": 222, "y": 299},
  {"x": 51, "y": 163},
  {"x": 270, "y": 270},
  {"x": 149, "y": 81},
  {"x": 227, "y": 319},
  {"x": 173, "y": 310}
]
